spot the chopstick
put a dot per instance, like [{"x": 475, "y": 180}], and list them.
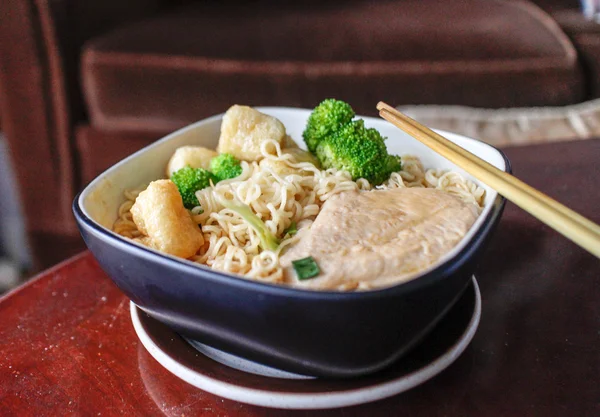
[{"x": 569, "y": 223}]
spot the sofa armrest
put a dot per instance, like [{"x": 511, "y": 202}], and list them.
[
  {"x": 585, "y": 35},
  {"x": 40, "y": 101}
]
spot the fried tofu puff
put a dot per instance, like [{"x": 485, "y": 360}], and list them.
[
  {"x": 158, "y": 213},
  {"x": 244, "y": 128},
  {"x": 194, "y": 156}
]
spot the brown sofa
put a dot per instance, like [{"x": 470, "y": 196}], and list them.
[{"x": 83, "y": 84}]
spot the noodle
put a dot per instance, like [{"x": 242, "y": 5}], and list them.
[{"x": 281, "y": 190}]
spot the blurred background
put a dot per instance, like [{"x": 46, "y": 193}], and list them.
[{"x": 85, "y": 83}]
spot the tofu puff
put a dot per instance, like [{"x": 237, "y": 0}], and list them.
[
  {"x": 159, "y": 214},
  {"x": 243, "y": 132},
  {"x": 194, "y": 156},
  {"x": 244, "y": 129}
]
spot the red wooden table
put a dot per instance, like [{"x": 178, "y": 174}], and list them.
[{"x": 67, "y": 345}]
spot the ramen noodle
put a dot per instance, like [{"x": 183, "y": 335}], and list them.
[{"x": 282, "y": 192}]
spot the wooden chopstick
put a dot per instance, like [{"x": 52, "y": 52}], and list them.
[
  {"x": 438, "y": 142},
  {"x": 570, "y": 224}
]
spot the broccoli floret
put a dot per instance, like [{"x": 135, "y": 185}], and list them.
[
  {"x": 338, "y": 142},
  {"x": 189, "y": 180},
  {"x": 268, "y": 241},
  {"x": 358, "y": 150},
  {"x": 325, "y": 119},
  {"x": 394, "y": 164},
  {"x": 225, "y": 166}
]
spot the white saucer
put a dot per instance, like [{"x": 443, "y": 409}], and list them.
[{"x": 241, "y": 380}]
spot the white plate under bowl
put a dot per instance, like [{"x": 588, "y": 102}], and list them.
[{"x": 241, "y": 380}]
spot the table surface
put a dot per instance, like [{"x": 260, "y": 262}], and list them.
[{"x": 67, "y": 345}]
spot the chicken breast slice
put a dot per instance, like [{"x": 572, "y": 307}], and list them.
[
  {"x": 158, "y": 212},
  {"x": 373, "y": 239}
]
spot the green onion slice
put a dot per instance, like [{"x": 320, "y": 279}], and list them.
[
  {"x": 306, "y": 268},
  {"x": 292, "y": 230}
]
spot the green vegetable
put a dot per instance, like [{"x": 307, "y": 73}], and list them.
[
  {"x": 344, "y": 144},
  {"x": 268, "y": 241},
  {"x": 292, "y": 230},
  {"x": 189, "y": 180},
  {"x": 358, "y": 150},
  {"x": 325, "y": 119},
  {"x": 306, "y": 268},
  {"x": 225, "y": 166},
  {"x": 393, "y": 164}
]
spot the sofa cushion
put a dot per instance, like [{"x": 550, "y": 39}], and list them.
[{"x": 163, "y": 73}]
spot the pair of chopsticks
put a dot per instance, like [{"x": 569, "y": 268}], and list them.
[{"x": 570, "y": 224}]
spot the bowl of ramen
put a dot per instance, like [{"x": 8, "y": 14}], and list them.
[{"x": 298, "y": 239}]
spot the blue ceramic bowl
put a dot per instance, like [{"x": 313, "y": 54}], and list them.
[{"x": 328, "y": 334}]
